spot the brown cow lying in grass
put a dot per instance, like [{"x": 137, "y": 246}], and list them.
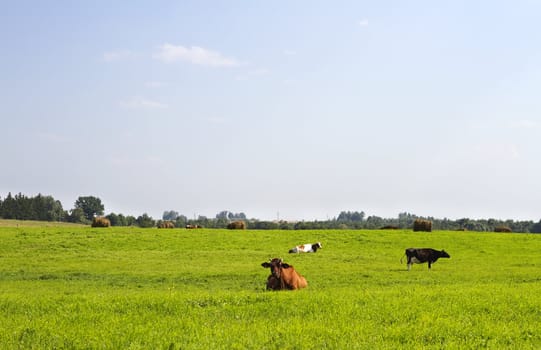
[{"x": 283, "y": 276}]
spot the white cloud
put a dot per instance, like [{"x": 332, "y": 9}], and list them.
[
  {"x": 290, "y": 81},
  {"x": 154, "y": 84},
  {"x": 128, "y": 160},
  {"x": 50, "y": 137},
  {"x": 495, "y": 152},
  {"x": 259, "y": 72},
  {"x": 217, "y": 120},
  {"x": 196, "y": 55},
  {"x": 142, "y": 103},
  {"x": 363, "y": 22},
  {"x": 254, "y": 73},
  {"x": 525, "y": 124},
  {"x": 117, "y": 55}
]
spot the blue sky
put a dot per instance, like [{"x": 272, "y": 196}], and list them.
[{"x": 289, "y": 109}]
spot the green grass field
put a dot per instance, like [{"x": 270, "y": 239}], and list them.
[
  {"x": 131, "y": 288},
  {"x": 31, "y": 223}
]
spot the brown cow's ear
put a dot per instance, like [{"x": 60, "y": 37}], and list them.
[
  {"x": 285, "y": 266},
  {"x": 266, "y": 264}
]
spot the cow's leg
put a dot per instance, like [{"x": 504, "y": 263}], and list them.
[
  {"x": 409, "y": 263},
  {"x": 429, "y": 265}
]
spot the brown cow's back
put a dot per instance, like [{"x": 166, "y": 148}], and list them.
[{"x": 292, "y": 279}]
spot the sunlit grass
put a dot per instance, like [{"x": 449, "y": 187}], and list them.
[
  {"x": 32, "y": 223},
  {"x": 113, "y": 288}
]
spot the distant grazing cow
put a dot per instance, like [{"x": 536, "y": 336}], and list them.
[
  {"x": 422, "y": 255},
  {"x": 189, "y": 227},
  {"x": 283, "y": 276},
  {"x": 306, "y": 248}
]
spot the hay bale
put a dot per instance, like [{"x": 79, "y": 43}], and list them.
[
  {"x": 237, "y": 225},
  {"x": 502, "y": 229},
  {"x": 166, "y": 224},
  {"x": 422, "y": 225},
  {"x": 100, "y": 221}
]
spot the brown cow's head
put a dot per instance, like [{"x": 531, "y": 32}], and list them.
[{"x": 276, "y": 265}]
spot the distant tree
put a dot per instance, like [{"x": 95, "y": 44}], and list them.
[
  {"x": 90, "y": 205},
  {"x": 264, "y": 225},
  {"x": 46, "y": 208},
  {"x": 9, "y": 207},
  {"x": 236, "y": 216},
  {"x": 130, "y": 220},
  {"x": 351, "y": 216},
  {"x": 55, "y": 212},
  {"x": 123, "y": 220},
  {"x": 406, "y": 219},
  {"x": 284, "y": 225},
  {"x": 536, "y": 228},
  {"x": 476, "y": 225},
  {"x": 304, "y": 225},
  {"x": 202, "y": 221},
  {"x": 170, "y": 215},
  {"x": 77, "y": 215},
  {"x": 181, "y": 221},
  {"x": 24, "y": 207},
  {"x": 223, "y": 214},
  {"x": 117, "y": 220},
  {"x": 462, "y": 223},
  {"x": 145, "y": 221},
  {"x": 113, "y": 219},
  {"x": 226, "y": 214},
  {"x": 220, "y": 222},
  {"x": 374, "y": 222},
  {"x": 522, "y": 226}
]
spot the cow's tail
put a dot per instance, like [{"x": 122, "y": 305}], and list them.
[{"x": 402, "y": 257}]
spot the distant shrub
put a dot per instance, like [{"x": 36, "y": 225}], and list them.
[
  {"x": 390, "y": 227},
  {"x": 237, "y": 225},
  {"x": 265, "y": 225},
  {"x": 422, "y": 225},
  {"x": 100, "y": 221},
  {"x": 502, "y": 229}
]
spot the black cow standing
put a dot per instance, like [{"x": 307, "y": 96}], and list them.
[{"x": 422, "y": 255}]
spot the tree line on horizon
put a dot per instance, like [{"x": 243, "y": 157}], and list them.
[{"x": 46, "y": 208}]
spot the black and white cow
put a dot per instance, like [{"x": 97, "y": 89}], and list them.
[
  {"x": 422, "y": 255},
  {"x": 306, "y": 248}
]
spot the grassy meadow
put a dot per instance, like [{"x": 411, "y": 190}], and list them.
[{"x": 132, "y": 288}]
